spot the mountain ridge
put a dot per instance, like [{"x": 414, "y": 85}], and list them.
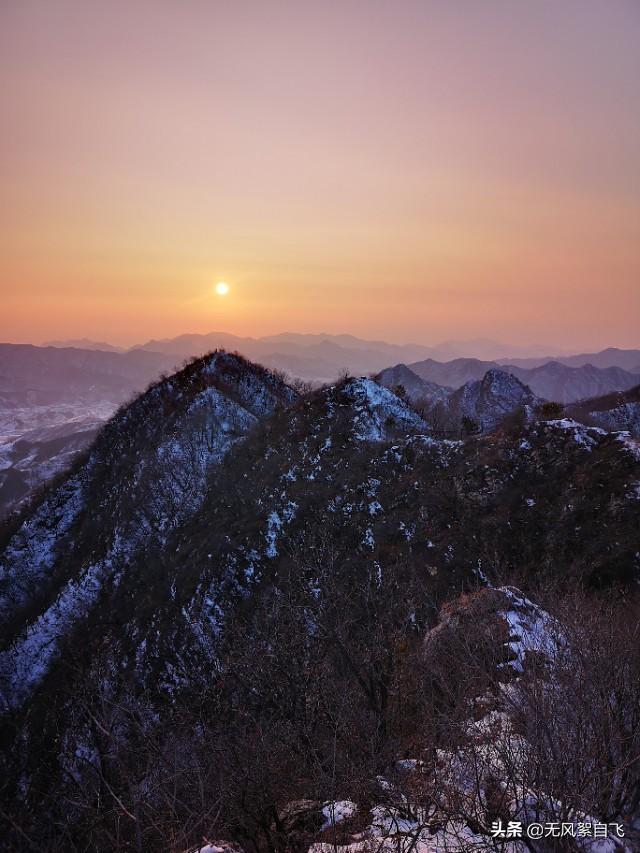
[
  {"x": 551, "y": 381},
  {"x": 229, "y": 552}
]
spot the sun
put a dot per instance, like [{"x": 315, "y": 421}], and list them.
[{"x": 222, "y": 288}]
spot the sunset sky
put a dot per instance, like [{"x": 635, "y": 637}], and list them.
[{"x": 406, "y": 169}]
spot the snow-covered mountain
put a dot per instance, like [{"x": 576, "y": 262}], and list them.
[
  {"x": 619, "y": 411},
  {"x": 42, "y": 387},
  {"x": 52, "y": 401},
  {"x": 226, "y": 601},
  {"x": 144, "y": 475},
  {"x": 36, "y": 456},
  {"x": 478, "y": 405},
  {"x": 486, "y": 402}
]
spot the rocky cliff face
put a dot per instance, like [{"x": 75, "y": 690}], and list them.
[
  {"x": 479, "y": 405},
  {"x": 488, "y": 401}
]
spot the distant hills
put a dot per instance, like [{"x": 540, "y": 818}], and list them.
[
  {"x": 552, "y": 380},
  {"x": 628, "y": 359},
  {"x": 319, "y": 358},
  {"x": 31, "y": 375},
  {"x": 322, "y": 357},
  {"x": 479, "y": 405},
  {"x": 84, "y": 343},
  {"x": 293, "y": 343}
]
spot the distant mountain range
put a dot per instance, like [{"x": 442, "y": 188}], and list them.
[
  {"x": 476, "y": 348},
  {"x": 551, "y": 381},
  {"x": 322, "y": 357},
  {"x": 319, "y": 358},
  {"x": 31, "y": 375},
  {"x": 628, "y": 359},
  {"x": 84, "y": 343}
]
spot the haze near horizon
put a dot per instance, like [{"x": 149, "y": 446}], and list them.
[{"x": 411, "y": 172}]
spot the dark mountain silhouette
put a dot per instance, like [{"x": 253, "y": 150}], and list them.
[
  {"x": 236, "y": 580},
  {"x": 404, "y": 381}
]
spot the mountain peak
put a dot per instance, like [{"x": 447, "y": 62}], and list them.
[
  {"x": 488, "y": 401},
  {"x": 146, "y": 473},
  {"x": 379, "y": 414},
  {"x": 500, "y": 383}
]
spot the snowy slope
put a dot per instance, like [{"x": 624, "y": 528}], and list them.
[
  {"x": 225, "y": 545},
  {"x": 146, "y": 473}
]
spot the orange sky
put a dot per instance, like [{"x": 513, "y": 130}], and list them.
[{"x": 400, "y": 170}]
